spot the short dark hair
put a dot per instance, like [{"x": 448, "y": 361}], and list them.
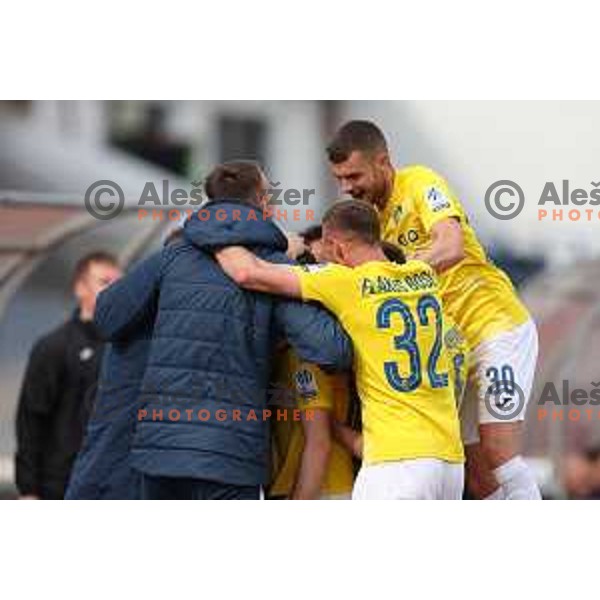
[
  {"x": 306, "y": 258},
  {"x": 357, "y": 217},
  {"x": 393, "y": 253},
  {"x": 85, "y": 262},
  {"x": 363, "y": 136},
  {"x": 239, "y": 180},
  {"x": 312, "y": 234}
]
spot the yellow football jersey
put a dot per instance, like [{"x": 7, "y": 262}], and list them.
[
  {"x": 479, "y": 296},
  {"x": 307, "y": 388},
  {"x": 394, "y": 317},
  {"x": 459, "y": 356}
]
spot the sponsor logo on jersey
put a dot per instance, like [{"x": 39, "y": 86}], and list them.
[
  {"x": 436, "y": 199},
  {"x": 408, "y": 237}
]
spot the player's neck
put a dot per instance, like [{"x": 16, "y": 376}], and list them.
[{"x": 365, "y": 254}]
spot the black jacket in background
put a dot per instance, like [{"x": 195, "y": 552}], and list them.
[{"x": 56, "y": 397}]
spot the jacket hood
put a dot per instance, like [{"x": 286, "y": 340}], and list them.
[{"x": 230, "y": 222}]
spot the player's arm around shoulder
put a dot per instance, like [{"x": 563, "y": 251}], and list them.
[
  {"x": 253, "y": 273},
  {"x": 130, "y": 299}
]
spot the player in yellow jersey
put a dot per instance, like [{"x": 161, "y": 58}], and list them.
[
  {"x": 419, "y": 213},
  {"x": 454, "y": 341},
  {"x": 458, "y": 355},
  {"x": 412, "y": 447},
  {"x": 307, "y": 463}
]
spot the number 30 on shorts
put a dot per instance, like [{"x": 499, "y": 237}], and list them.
[{"x": 501, "y": 379}]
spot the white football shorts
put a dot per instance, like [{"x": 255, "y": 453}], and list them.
[
  {"x": 500, "y": 380},
  {"x": 415, "y": 479}
]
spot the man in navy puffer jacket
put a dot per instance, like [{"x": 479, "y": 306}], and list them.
[{"x": 201, "y": 430}]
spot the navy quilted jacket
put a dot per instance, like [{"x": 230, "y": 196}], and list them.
[{"x": 211, "y": 354}]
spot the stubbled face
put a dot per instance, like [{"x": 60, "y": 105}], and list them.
[
  {"x": 364, "y": 177},
  {"x": 98, "y": 277}
]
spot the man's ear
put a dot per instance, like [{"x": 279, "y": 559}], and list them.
[
  {"x": 338, "y": 253},
  {"x": 382, "y": 159},
  {"x": 263, "y": 201}
]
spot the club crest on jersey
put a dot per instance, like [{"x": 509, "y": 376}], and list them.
[
  {"x": 436, "y": 199},
  {"x": 306, "y": 384}
]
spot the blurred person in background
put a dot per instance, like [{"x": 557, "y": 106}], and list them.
[
  {"x": 593, "y": 458},
  {"x": 58, "y": 388},
  {"x": 576, "y": 476}
]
